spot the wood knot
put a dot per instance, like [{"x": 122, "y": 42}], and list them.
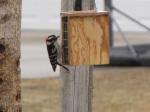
[
  {"x": 5, "y": 15},
  {"x": 19, "y": 109},
  {"x": 3, "y": 1},
  {"x": 1, "y": 109},
  {"x": 2, "y": 51},
  {"x": 1, "y": 81},
  {"x": 18, "y": 62},
  {"x": 18, "y": 65},
  {"x": 18, "y": 96}
]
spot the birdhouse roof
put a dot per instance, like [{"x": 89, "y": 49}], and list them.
[{"x": 84, "y": 13}]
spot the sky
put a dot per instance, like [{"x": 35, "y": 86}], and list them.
[{"x": 45, "y": 14}]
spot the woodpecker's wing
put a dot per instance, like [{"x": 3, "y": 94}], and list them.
[
  {"x": 59, "y": 50},
  {"x": 52, "y": 52}
]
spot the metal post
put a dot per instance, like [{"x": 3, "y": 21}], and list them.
[{"x": 108, "y": 7}]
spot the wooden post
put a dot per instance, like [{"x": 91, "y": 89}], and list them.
[
  {"x": 76, "y": 87},
  {"x": 10, "y": 33}
]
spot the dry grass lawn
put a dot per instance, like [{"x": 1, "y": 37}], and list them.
[{"x": 115, "y": 90}]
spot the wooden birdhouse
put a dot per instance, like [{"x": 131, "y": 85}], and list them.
[{"x": 85, "y": 37}]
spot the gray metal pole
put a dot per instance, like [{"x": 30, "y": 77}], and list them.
[{"x": 108, "y": 7}]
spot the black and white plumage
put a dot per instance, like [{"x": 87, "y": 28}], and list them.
[{"x": 54, "y": 51}]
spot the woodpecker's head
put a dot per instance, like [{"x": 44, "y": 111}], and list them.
[{"x": 51, "y": 39}]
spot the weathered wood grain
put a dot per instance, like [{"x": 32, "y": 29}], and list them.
[
  {"x": 88, "y": 39},
  {"x": 76, "y": 89},
  {"x": 10, "y": 33}
]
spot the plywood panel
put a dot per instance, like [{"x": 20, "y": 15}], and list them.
[
  {"x": 105, "y": 40},
  {"x": 88, "y": 40}
]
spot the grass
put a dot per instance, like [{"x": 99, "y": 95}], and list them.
[
  {"x": 115, "y": 90},
  {"x": 40, "y": 95}
]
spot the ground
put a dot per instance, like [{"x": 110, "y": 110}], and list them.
[{"x": 115, "y": 90}]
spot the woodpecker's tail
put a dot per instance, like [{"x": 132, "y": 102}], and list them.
[{"x": 63, "y": 66}]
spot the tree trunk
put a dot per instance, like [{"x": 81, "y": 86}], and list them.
[
  {"x": 76, "y": 87},
  {"x": 10, "y": 33}
]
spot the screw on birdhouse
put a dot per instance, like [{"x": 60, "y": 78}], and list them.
[{"x": 2, "y": 51}]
